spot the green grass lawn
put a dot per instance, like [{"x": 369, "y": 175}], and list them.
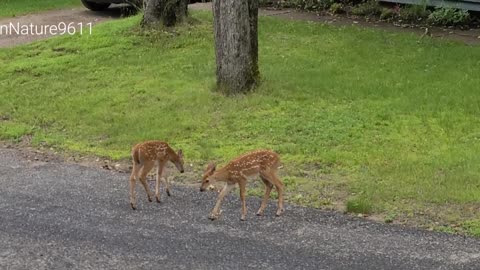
[
  {"x": 377, "y": 122},
  {"x": 10, "y": 8}
]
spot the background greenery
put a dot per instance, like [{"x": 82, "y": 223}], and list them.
[
  {"x": 9, "y": 8},
  {"x": 375, "y": 122}
]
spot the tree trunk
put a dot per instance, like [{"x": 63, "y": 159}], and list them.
[
  {"x": 166, "y": 12},
  {"x": 236, "y": 45}
]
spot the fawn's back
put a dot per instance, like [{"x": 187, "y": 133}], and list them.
[
  {"x": 252, "y": 163},
  {"x": 150, "y": 151}
]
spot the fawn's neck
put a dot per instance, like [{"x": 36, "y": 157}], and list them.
[
  {"x": 171, "y": 155},
  {"x": 222, "y": 174}
]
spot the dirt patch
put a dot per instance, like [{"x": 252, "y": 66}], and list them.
[{"x": 41, "y": 24}]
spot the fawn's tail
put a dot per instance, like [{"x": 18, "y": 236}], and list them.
[{"x": 136, "y": 155}]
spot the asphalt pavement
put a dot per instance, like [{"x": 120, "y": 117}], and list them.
[{"x": 56, "y": 215}]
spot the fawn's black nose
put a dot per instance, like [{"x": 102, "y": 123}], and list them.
[
  {"x": 202, "y": 189},
  {"x": 182, "y": 171}
]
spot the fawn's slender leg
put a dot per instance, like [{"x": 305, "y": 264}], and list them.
[
  {"x": 147, "y": 167},
  {"x": 242, "y": 184},
  {"x": 268, "y": 189},
  {"x": 133, "y": 176},
  {"x": 279, "y": 187},
  {"x": 157, "y": 184},
  {"x": 216, "y": 210},
  {"x": 167, "y": 184}
]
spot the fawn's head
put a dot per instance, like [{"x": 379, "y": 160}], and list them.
[
  {"x": 178, "y": 160},
  {"x": 207, "y": 180}
]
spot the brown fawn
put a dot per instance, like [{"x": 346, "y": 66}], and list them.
[
  {"x": 145, "y": 156},
  {"x": 263, "y": 163}
]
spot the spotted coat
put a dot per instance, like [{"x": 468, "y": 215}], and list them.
[
  {"x": 152, "y": 150},
  {"x": 248, "y": 165}
]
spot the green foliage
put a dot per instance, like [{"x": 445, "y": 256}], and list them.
[
  {"x": 390, "y": 217},
  {"x": 409, "y": 13},
  {"x": 414, "y": 13},
  {"x": 445, "y": 229},
  {"x": 367, "y": 8},
  {"x": 449, "y": 16},
  {"x": 305, "y": 4},
  {"x": 308, "y": 4},
  {"x": 9, "y": 8},
  {"x": 13, "y": 131},
  {"x": 472, "y": 227},
  {"x": 337, "y": 8},
  {"x": 355, "y": 111},
  {"x": 359, "y": 206},
  {"x": 387, "y": 13}
]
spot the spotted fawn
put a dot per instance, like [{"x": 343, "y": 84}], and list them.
[
  {"x": 145, "y": 156},
  {"x": 263, "y": 163}
]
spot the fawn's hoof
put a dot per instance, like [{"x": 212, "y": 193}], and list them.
[
  {"x": 259, "y": 213},
  {"x": 158, "y": 200},
  {"x": 133, "y": 206},
  {"x": 168, "y": 193},
  {"x": 243, "y": 219},
  {"x": 279, "y": 212},
  {"x": 213, "y": 216}
]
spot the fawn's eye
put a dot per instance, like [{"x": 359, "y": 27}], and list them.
[{"x": 207, "y": 181}]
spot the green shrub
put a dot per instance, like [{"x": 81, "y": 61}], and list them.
[
  {"x": 449, "y": 17},
  {"x": 368, "y": 8},
  {"x": 387, "y": 13},
  {"x": 442, "y": 16},
  {"x": 413, "y": 13},
  {"x": 337, "y": 8},
  {"x": 359, "y": 206},
  {"x": 301, "y": 4},
  {"x": 309, "y": 4}
]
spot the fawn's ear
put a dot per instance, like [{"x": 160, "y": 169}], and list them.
[
  {"x": 211, "y": 167},
  {"x": 180, "y": 153}
]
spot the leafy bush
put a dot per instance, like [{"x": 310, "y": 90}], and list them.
[
  {"x": 449, "y": 16},
  {"x": 414, "y": 13},
  {"x": 306, "y": 4},
  {"x": 368, "y": 8},
  {"x": 337, "y": 8},
  {"x": 407, "y": 13},
  {"x": 387, "y": 13},
  {"x": 316, "y": 4},
  {"x": 309, "y": 4}
]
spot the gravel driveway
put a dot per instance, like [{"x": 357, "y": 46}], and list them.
[{"x": 55, "y": 215}]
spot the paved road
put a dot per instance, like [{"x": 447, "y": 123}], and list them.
[{"x": 64, "y": 216}]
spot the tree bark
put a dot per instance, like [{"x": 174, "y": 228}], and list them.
[
  {"x": 165, "y": 12},
  {"x": 236, "y": 45}
]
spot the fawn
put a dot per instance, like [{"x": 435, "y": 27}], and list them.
[
  {"x": 263, "y": 163},
  {"x": 145, "y": 156}
]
